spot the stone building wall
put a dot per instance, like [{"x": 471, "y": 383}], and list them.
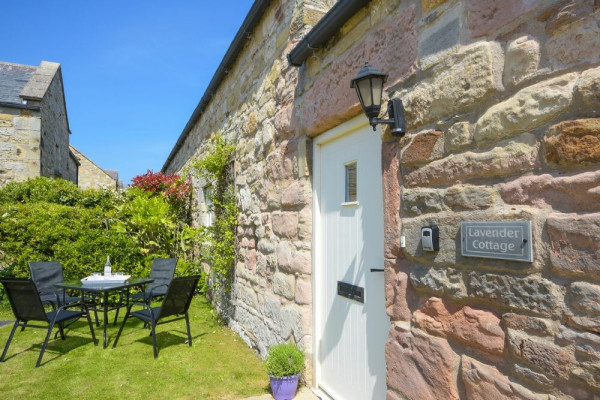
[
  {"x": 55, "y": 132},
  {"x": 92, "y": 176},
  {"x": 271, "y": 297},
  {"x": 35, "y": 134},
  {"x": 503, "y": 110},
  {"x": 73, "y": 168},
  {"x": 502, "y": 107},
  {"x": 19, "y": 144}
]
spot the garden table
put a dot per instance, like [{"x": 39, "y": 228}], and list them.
[{"x": 103, "y": 289}]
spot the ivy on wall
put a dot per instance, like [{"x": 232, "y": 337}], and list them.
[{"x": 215, "y": 168}]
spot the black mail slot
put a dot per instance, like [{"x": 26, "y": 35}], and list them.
[{"x": 351, "y": 292}]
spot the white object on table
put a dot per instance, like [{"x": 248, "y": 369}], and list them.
[{"x": 105, "y": 279}]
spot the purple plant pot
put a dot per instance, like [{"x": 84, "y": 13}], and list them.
[{"x": 284, "y": 388}]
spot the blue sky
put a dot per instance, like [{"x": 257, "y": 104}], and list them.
[{"x": 133, "y": 70}]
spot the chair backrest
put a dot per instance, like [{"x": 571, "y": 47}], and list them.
[
  {"x": 24, "y": 299},
  {"x": 46, "y": 274},
  {"x": 163, "y": 270},
  {"x": 179, "y": 296}
]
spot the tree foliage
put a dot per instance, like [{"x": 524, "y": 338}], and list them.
[
  {"x": 148, "y": 219},
  {"x": 47, "y": 219},
  {"x": 57, "y": 191},
  {"x": 80, "y": 237},
  {"x": 174, "y": 189},
  {"x": 159, "y": 216}
]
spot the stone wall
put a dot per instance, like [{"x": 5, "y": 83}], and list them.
[
  {"x": 92, "y": 176},
  {"x": 503, "y": 109},
  {"x": 19, "y": 144},
  {"x": 503, "y": 112},
  {"x": 54, "y": 146},
  {"x": 34, "y": 136},
  {"x": 270, "y": 301},
  {"x": 73, "y": 168}
]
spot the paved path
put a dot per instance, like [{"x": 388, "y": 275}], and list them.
[
  {"x": 2, "y": 323},
  {"x": 304, "y": 393}
]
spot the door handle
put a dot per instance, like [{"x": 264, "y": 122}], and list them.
[{"x": 377, "y": 269}]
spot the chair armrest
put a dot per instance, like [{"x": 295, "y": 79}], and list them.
[
  {"x": 78, "y": 304},
  {"x": 144, "y": 301},
  {"x": 157, "y": 286}
]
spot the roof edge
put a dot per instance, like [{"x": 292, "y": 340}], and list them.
[
  {"x": 40, "y": 81},
  {"x": 73, "y": 156},
  {"x": 324, "y": 30},
  {"x": 252, "y": 19},
  {"x": 71, "y": 148}
]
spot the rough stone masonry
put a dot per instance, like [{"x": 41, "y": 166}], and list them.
[{"x": 503, "y": 109}]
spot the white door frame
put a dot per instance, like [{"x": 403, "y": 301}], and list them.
[{"x": 357, "y": 123}]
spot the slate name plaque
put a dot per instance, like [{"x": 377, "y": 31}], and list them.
[
  {"x": 504, "y": 240},
  {"x": 351, "y": 292}
]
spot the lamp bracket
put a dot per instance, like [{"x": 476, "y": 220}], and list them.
[{"x": 396, "y": 118}]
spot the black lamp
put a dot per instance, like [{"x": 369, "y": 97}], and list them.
[{"x": 369, "y": 88}]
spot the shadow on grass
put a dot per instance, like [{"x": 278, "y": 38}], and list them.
[
  {"x": 219, "y": 365},
  {"x": 166, "y": 338},
  {"x": 56, "y": 347}
]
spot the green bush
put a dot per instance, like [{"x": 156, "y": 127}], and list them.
[
  {"x": 80, "y": 238},
  {"x": 284, "y": 360},
  {"x": 57, "y": 191},
  {"x": 47, "y": 219},
  {"x": 148, "y": 219}
]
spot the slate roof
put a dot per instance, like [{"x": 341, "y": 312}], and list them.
[{"x": 13, "y": 78}]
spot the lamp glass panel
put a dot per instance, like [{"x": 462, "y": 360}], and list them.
[
  {"x": 364, "y": 87},
  {"x": 359, "y": 97},
  {"x": 377, "y": 84}
]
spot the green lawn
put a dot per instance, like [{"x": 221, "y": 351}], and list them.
[{"x": 219, "y": 365}]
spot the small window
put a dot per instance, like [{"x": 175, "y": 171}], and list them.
[{"x": 351, "y": 187}]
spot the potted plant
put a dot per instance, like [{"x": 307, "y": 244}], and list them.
[{"x": 284, "y": 363}]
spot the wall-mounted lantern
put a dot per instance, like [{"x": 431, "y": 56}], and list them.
[{"x": 369, "y": 87}]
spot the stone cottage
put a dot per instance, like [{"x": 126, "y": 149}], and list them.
[
  {"x": 34, "y": 125},
  {"x": 91, "y": 176},
  {"x": 500, "y": 163},
  {"x": 34, "y": 128}
]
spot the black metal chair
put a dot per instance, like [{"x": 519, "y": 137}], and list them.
[
  {"x": 45, "y": 275},
  {"x": 175, "y": 304},
  {"x": 27, "y": 306},
  {"x": 162, "y": 271}
]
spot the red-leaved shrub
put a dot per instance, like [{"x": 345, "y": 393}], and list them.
[{"x": 174, "y": 188}]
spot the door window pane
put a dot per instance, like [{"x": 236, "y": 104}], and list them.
[{"x": 351, "y": 187}]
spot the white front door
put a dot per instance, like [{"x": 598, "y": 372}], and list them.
[{"x": 350, "y": 331}]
